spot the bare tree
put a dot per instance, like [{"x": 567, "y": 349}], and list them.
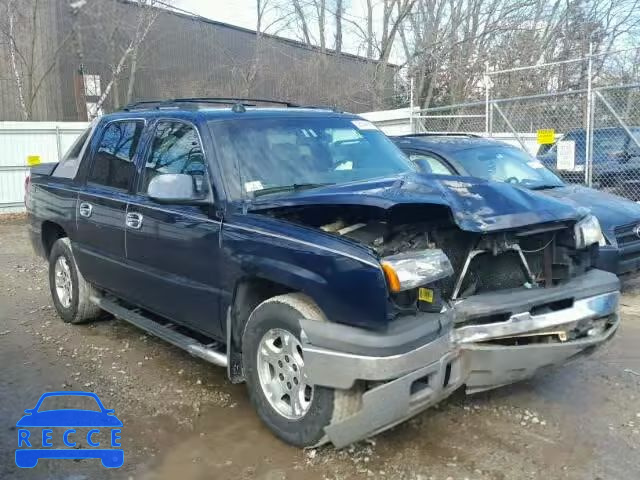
[
  {"x": 147, "y": 15},
  {"x": 339, "y": 10},
  {"x": 34, "y": 50}
]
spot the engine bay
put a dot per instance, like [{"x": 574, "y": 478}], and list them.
[{"x": 535, "y": 257}]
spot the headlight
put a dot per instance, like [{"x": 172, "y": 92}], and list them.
[
  {"x": 412, "y": 269},
  {"x": 587, "y": 232},
  {"x": 603, "y": 241}
]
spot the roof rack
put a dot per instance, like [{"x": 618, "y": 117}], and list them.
[
  {"x": 237, "y": 104},
  {"x": 441, "y": 134}
]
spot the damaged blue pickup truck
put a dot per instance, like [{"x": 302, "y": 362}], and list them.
[{"x": 299, "y": 248}]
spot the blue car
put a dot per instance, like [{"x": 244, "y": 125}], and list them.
[
  {"x": 616, "y": 159},
  {"x": 469, "y": 155},
  {"x": 28, "y": 456}
]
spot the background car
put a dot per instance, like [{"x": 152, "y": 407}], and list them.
[
  {"x": 616, "y": 158},
  {"x": 469, "y": 155}
]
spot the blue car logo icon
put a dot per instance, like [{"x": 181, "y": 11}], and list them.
[{"x": 28, "y": 453}]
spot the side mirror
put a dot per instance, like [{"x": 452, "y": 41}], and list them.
[
  {"x": 422, "y": 165},
  {"x": 174, "y": 188}
]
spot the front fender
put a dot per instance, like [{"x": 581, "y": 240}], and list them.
[{"x": 347, "y": 283}]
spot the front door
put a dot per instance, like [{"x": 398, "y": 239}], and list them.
[
  {"x": 173, "y": 250},
  {"x": 100, "y": 211}
]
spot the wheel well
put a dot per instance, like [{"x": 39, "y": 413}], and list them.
[
  {"x": 249, "y": 293},
  {"x": 50, "y": 233}
]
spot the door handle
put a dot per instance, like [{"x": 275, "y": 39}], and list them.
[
  {"x": 85, "y": 209},
  {"x": 134, "y": 220}
]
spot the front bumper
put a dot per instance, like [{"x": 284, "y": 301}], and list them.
[
  {"x": 620, "y": 261},
  {"x": 510, "y": 335},
  {"x": 462, "y": 346},
  {"x": 404, "y": 376},
  {"x": 505, "y": 352}
]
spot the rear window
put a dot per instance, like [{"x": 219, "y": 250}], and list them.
[
  {"x": 113, "y": 161},
  {"x": 70, "y": 162}
]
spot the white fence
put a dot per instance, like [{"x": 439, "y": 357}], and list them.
[{"x": 19, "y": 140}]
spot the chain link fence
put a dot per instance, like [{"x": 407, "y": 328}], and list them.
[{"x": 580, "y": 118}]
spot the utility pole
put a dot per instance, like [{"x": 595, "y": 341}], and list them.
[{"x": 589, "y": 127}]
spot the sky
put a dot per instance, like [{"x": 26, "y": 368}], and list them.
[
  {"x": 243, "y": 14},
  {"x": 236, "y": 12}
]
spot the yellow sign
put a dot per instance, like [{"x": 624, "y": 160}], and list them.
[
  {"x": 33, "y": 160},
  {"x": 425, "y": 295},
  {"x": 546, "y": 136}
]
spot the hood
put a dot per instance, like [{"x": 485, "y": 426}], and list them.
[
  {"x": 611, "y": 210},
  {"x": 476, "y": 205}
]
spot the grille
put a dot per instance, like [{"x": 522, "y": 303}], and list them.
[{"x": 625, "y": 234}]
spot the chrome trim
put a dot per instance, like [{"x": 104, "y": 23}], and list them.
[
  {"x": 492, "y": 365},
  {"x": 584, "y": 309},
  {"x": 134, "y": 220},
  {"x": 208, "y": 354},
  {"x": 85, "y": 209},
  {"x": 335, "y": 369}
]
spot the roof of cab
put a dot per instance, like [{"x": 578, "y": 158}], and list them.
[
  {"x": 211, "y": 109},
  {"x": 445, "y": 142}
]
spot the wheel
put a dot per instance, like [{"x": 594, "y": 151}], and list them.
[
  {"x": 70, "y": 291},
  {"x": 273, "y": 360}
]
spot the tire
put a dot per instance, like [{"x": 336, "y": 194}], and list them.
[
  {"x": 324, "y": 406},
  {"x": 78, "y": 308}
]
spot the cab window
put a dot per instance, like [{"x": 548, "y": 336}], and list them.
[
  {"x": 430, "y": 164},
  {"x": 113, "y": 161},
  {"x": 176, "y": 148}
]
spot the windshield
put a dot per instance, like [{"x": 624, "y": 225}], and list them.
[
  {"x": 507, "y": 164},
  {"x": 275, "y": 155}
]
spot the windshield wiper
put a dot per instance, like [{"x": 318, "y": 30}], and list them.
[
  {"x": 295, "y": 187},
  {"x": 546, "y": 186}
]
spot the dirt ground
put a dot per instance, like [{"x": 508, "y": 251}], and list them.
[{"x": 183, "y": 420}]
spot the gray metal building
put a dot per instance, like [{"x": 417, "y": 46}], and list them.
[{"x": 182, "y": 56}]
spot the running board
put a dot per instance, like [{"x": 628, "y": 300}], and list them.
[{"x": 167, "y": 333}]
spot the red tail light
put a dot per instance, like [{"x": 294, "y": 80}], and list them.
[{"x": 27, "y": 187}]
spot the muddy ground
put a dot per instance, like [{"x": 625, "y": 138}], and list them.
[{"x": 183, "y": 420}]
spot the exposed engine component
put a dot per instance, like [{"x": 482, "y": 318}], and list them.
[
  {"x": 536, "y": 256},
  {"x": 539, "y": 257}
]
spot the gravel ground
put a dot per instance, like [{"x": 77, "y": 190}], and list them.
[{"x": 182, "y": 419}]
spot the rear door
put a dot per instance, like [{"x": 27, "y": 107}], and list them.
[
  {"x": 173, "y": 251},
  {"x": 102, "y": 204}
]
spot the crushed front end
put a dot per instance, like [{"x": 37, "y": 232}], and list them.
[
  {"x": 484, "y": 289},
  {"x": 521, "y": 300}
]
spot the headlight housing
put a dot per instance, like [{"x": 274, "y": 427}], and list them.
[
  {"x": 587, "y": 232},
  {"x": 412, "y": 269}
]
